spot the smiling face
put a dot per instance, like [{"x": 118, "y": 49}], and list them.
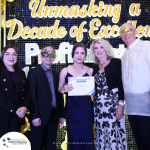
[
  {"x": 99, "y": 51},
  {"x": 10, "y": 57},
  {"x": 79, "y": 55},
  {"x": 47, "y": 61},
  {"x": 129, "y": 37}
]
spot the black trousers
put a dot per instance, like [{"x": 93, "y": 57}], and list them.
[
  {"x": 44, "y": 136},
  {"x": 141, "y": 130}
]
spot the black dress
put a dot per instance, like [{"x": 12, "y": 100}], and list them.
[
  {"x": 79, "y": 121},
  {"x": 109, "y": 133}
]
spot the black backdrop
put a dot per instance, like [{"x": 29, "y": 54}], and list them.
[{"x": 19, "y": 9}]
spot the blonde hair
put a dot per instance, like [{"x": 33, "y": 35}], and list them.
[{"x": 107, "y": 48}]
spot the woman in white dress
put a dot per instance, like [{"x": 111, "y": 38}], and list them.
[{"x": 109, "y": 98}]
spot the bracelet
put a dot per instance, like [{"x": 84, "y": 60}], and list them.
[{"x": 121, "y": 103}]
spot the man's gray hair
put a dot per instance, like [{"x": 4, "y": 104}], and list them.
[{"x": 129, "y": 24}]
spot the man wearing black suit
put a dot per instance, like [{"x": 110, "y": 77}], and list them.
[{"x": 47, "y": 106}]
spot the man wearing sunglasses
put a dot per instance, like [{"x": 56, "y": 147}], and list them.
[
  {"x": 47, "y": 107},
  {"x": 136, "y": 83}
]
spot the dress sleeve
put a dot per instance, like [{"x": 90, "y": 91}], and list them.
[
  {"x": 119, "y": 80},
  {"x": 95, "y": 69}
]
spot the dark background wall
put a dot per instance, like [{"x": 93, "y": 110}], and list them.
[{"x": 19, "y": 9}]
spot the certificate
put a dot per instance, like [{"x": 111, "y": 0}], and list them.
[{"x": 81, "y": 86}]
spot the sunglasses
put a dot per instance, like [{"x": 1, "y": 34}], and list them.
[
  {"x": 126, "y": 30},
  {"x": 46, "y": 53}
]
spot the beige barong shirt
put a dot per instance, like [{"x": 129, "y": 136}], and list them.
[{"x": 136, "y": 78}]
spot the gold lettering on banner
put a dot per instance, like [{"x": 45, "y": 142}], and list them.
[
  {"x": 59, "y": 32},
  {"x": 42, "y": 32},
  {"x": 115, "y": 31},
  {"x": 143, "y": 31},
  {"x": 134, "y": 9},
  {"x": 82, "y": 12},
  {"x": 105, "y": 31},
  {"x": 40, "y": 10},
  {"x": 140, "y": 31},
  {"x": 73, "y": 11},
  {"x": 110, "y": 10},
  {"x": 35, "y": 32},
  {"x": 25, "y": 32},
  {"x": 33, "y": 5},
  {"x": 92, "y": 9},
  {"x": 94, "y": 22},
  {"x": 78, "y": 32},
  {"x": 96, "y": 29},
  {"x": 147, "y": 31},
  {"x": 116, "y": 13},
  {"x": 12, "y": 24}
]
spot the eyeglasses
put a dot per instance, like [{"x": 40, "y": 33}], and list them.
[
  {"x": 50, "y": 54},
  {"x": 9, "y": 54},
  {"x": 126, "y": 30}
]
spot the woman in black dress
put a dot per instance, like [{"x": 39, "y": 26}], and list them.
[
  {"x": 14, "y": 95},
  {"x": 109, "y": 98}
]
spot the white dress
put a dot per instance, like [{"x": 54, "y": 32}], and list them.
[{"x": 109, "y": 133}]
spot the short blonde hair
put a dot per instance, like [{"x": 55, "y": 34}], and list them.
[{"x": 107, "y": 48}]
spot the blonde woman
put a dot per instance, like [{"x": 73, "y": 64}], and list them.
[{"x": 108, "y": 101}]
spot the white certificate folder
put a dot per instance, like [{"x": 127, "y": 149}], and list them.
[{"x": 82, "y": 86}]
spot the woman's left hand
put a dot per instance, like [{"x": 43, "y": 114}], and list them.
[
  {"x": 119, "y": 112},
  {"x": 21, "y": 112}
]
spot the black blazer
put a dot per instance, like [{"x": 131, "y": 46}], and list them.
[
  {"x": 113, "y": 76},
  {"x": 41, "y": 101},
  {"x": 7, "y": 96}
]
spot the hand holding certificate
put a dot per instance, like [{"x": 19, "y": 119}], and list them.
[{"x": 81, "y": 86}]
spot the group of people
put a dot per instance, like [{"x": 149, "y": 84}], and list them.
[{"x": 116, "y": 81}]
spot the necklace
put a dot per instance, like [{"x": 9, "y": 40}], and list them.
[{"x": 102, "y": 65}]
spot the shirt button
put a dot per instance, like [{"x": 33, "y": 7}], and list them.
[
  {"x": 6, "y": 89},
  {"x": 23, "y": 89},
  {"x": 11, "y": 110},
  {"x": 22, "y": 97},
  {"x": 4, "y": 80}
]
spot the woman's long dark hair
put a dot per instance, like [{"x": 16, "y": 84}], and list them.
[{"x": 2, "y": 65}]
